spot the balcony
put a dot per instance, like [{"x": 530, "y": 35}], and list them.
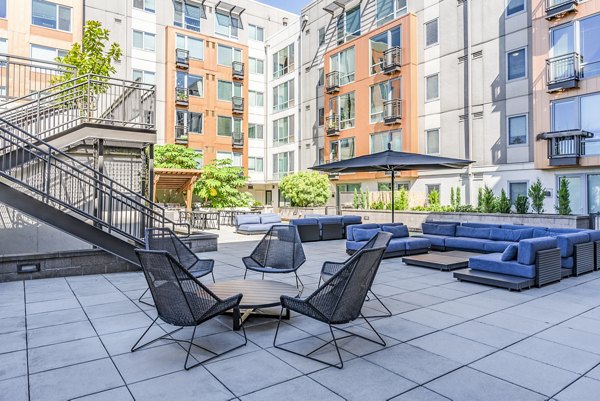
[
  {"x": 182, "y": 59},
  {"x": 181, "y": 135},
  {"x": 392, "y": 111},
  {"x": 182, "y": 96},
  {"x": 333, "y": 125},
  {"x": 565, "y": 147},
  {"x": 559, "y": 8},
  {"x": 237, "y": 105},
  {"x": 392, "y": 59},
  {"x": 237, "y": 70},
  {"x": 332, "y": 82},
  {"x": 563, "y": 72},
  {"x": 237, "y": 139}
]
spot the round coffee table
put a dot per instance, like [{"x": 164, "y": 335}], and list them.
[{"x": 256, "y": 294}]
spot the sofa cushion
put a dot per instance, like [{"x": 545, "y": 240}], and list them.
[
  {"x": 470, "y": 244},
  {"x": 439, "y": 229},
  {"x": 397, "y": 231},
  {"x": 480, "y": 225},
  {"x": 529, "y": 247},
  {"x": 355, "y": 245},
  {"x": 247, "y": 219},
  {"x": 304, "y": 222},
  {"x": 519, "y": 235},
  {"x": 594, "y": 235},
  {"x": 567, "y": 242},
  {"x": 518, "y": 226},
  {"x": 567, "y": 263},
  {"x": 435, "y": 240},
  {"x": 350, "y": 229},
  {"x": 452, "y": 223},
  {"x": 541, "y": 232},
  {"x": 414, "y": 243},
  {"x": 365, "y": 234},
  {"x": 329, "y": 220},
  {"x": 510, "y": 253},
  {"x": 270, "y": 218},
  {"x": 396, "y": 245},
  {"x": 255, "y": 228},
  {"x": 496, "y": 246},
  {"x": 471, "y": 232},
  {"x": 499, "y": 234},
  {"x": 351, "y": 219},
  {"x": 561, "y": 230},
  {"x": 492, "y": 263}
]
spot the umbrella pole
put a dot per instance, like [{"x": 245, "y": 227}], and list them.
[{"x": 393, "y": 190}]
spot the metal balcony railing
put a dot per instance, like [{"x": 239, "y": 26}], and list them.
[
  {"x": 182, "y": 58},
  {"x": 392, "y": 111},
  {"x": 392, "y": 60},
  {"x": 237, "y": 68},
  {"x": 558, "y": 8},
  {"x": 237, "y": 139},
  {"x": 332, "y": 124},
  {"x": 237, "y": 105},
  {"x": 182, "y": 96},
  {"x": 563, "y": 72},
  {"x": 332, "y": 82},
  {"x": 565, "y": 147},
  {"x": 181, "y": 134}
]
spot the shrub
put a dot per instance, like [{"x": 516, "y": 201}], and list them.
[
  {"x": 220, "y": 184},
  {"x": 306, "y": 188},
  {"x": 433, "y": 199},
  {"x": 522, "y": 204},
  {"x": 564, "y": 203},
  {"x": 488, "y": 201},
  {"x": 503, "y": 204},
  {"x": 355, "y": 201},
  {"x": 537, "y": 193},
  {"x": 480, "y": 199}
]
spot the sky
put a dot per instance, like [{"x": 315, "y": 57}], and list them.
[{"x": 290, "y": 5}]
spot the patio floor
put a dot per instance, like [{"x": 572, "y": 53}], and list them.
[{"x": 67, "y": 338}]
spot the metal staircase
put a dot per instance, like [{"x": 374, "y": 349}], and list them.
[{"x": 49, "y": 185}]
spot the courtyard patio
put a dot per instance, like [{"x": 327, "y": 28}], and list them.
[{"x": 70, "y": 338}]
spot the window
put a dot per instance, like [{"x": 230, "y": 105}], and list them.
[
  {"x": 46, "y": 53},
  {"x": 194, "y": 83},
  {"x": 255, "y": 131},
  {"x": 589, "y": 32},
  {"x": 227, "y": 25},
  {"x": 380, "y": 43},
  {"x": 432, "y": 142},
  {"x": 226, "y": 90},
  {"x": 321, "y": 116},
  {"x": 194, "y": 46},
  {"x": 345, "y": 107},
  {"x": 256, "y": 33},
  {"x": 432, "y": 188},
  {"x": 283, "y": 164},
  {"x": 348, "y": 25},
  {"x": 146, "y": 77},
  {"x": 200, "y": 159},
  {"x": 257, "y": 66},
  {"x": 578, "y": 113},
  {"x": 227, "y": 125},
  {"x": 514, "y": 7},
  {"x": 143, "y": 40},
  {"x": 515, "y": 189},
  {"x": 283, "y": 131},
  {"x": 3, "y": 47},
  {"x": 145, "y": 5},
  {"x": 187, "y": 15},
  {"x": 256, "y": 99},
  {"x": 283, "y": 61},
  {"x": 235, "y": 157},
  {"x": 321, "y": 36},
  {"x": 382, "y": 92},
  {"x": 380, "y": 141},
  {"x": 50, "y": 15},
  {"x": 432, "y": 87},
  {"x": 321, "y": 77},
  {"x": 227, "y": 55},
  {"x": 195, "y": 122},
  {"x": 431, "y": 33},
  {"x": 2, "y": 8},
  {"x": 344, "y": 63},
  {"x": 341, "y": 150},
  {"x": 517, "y": 130},
  {"x": 387, "y": 10},
  {"x": 255, "y": 164},
  {"x": 516, "y": 64},
  {"x": 283, "y": 96}
]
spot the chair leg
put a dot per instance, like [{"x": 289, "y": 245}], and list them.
[
  {"x": 245, "y": 272},
  {"x": 135, "y": 347},
  {"x": 389, "y": 312},
  {"x": 301, "y": 283},
  {"x": 213, "y": 276},
  {"x": 142, "y": 296}
]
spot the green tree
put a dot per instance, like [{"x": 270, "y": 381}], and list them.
[
  {"x": 503, "y": 203},
  {"x": 401, "y": 199},
  {"x": 564, "y": 202},
  {"x": 522, "y": 204},
  {"x": 488, "y": 200},
  {"x": 480, "y": 199},
  {"x": 220, "y": 184},
  {"x": 537, "y": 193},
  {"x": 306, "y": 188},
  {"x": 176, "y": 156},
  {"x": 355, "y": 200},
  {"x": 452, "y": 198}
]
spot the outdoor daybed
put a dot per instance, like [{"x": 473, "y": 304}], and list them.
[
  {"x": 401, "y": 243},
  {"x": 256, "y": 223}
]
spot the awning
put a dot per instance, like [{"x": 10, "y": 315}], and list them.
[
  {"x": 565, "y": 134},
  {"x": 230, "y": 9},
  {"x": 338, "y": 6}
]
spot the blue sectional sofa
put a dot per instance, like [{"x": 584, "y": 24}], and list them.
[
  {"x": 401, "y": 243},
  {"x": 319, "y": 227},
  {"x": 256, "y": 223}
]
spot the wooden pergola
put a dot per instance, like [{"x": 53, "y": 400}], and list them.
[{"x": 181, "y": 180}]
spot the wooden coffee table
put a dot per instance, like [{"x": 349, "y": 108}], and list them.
[
  {"x": 257, "y": 294},
  {"x": 444, "y": 261}
]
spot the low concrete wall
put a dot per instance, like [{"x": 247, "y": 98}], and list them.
[
  {"x": 202, "y": 242},
  {"x": 288, "y": 213},
  {"x": 36, "y": 239}
]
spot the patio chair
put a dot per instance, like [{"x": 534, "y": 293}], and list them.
[
  {"x": 338, "y": 301},
  {"x": 280, "y": 251},
  {"x": 163, "y": 239},
  {"x": 181, "y": 300},
  {"x": 381, "y": 239}
]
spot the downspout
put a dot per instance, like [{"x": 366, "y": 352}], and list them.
[{"x": 469, "y": 134}]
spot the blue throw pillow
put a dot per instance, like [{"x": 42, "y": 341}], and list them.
[
  {"x": 365, "y": 234},
  {"x": 397, "y": 231},
  {"x": 470, "y": 232},
  {"x": 510, "y": 253}
]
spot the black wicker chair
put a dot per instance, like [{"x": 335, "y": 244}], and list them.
[
  {"x": 382, "y": 239},
  {"x": 339, "y": 300},
  {"x": 181, "y": 300},
  {"x": 163, "y": 239},
  {"x": 280, "y": 251}
]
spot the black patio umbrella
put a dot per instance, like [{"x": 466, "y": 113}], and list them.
[{"x": 391, "y": 161}]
